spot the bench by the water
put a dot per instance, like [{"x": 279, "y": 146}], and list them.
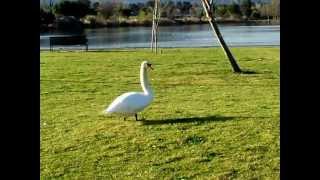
[{"x": 68, "y": 40}]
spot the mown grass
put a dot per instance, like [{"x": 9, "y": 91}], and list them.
[{"x": 204, "y": 123}]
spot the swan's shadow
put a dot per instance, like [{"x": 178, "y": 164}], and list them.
[{"x": 187, "y": 120}]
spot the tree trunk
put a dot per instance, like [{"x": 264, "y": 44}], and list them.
[
  {"x": 207, "y": 7},
  {"x": 224, "y": 46},
  {"x": 152, "y": 34},
  {"x": 155, "y": 24}
]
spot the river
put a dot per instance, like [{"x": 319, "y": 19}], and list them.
[{"x": 178, "y": 36}]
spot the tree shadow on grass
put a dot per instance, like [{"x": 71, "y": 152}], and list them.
[
  {"x": 110, "y": 50},
  {"x": 249, "y": 72},
  {"x": 187, "y": 120}
]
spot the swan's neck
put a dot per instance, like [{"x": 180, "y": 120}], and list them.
[{"x": 144, "y": 80}]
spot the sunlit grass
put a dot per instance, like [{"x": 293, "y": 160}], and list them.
[{"x": 205, "y": 121}]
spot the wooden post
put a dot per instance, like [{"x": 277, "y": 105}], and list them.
[{"x": 207, "y": 8}]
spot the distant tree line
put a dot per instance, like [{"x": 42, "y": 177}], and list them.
[{"x": 110, "y": 11}]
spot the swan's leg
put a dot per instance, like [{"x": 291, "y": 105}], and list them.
[
  {"x": 136, "y": 115},
  {"x": 124, "y": 118}
]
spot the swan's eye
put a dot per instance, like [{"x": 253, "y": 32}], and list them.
[{"x": 149, "y": 65}]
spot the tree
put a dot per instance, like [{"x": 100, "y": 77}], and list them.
[
  {"x": 222, "y": 11},
  {"x": 126, "y": 12},
  {"x": 150, "y": 3},
  {"x": 47, "y": 5},
  {"x": 186, "y": 6},
  {"x": 265, "y": 10},
  {"x": 77, "y": 9},
  {"x": 168, "y": 8},
  {"x": 85, "y": 2},
  {"x": 145, "y": 13},
  {"x": 46, "y": 17},
  {"x": 107, "y": 9},
  {"x": 117, "y": 11},
  {"x": 155, "y": 24},
  {"x": 234, "y": 9},
  {"x": 255, "y": 14},
  {"x": 246, "y": 8},
  {"x": 134, "y": 9},
  {"x": 275, "y": 8},
  {"x": 197, "y": 11},
  {"x": 207, "y": 5},
  {"x": 95, "y": 7}
]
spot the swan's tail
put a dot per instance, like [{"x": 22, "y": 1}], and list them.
[{"x": 107, "y": 111}]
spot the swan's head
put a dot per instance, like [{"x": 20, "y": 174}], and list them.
[{"x": 147, "y": 65}]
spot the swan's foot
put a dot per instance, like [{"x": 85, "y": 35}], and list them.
[{"x": 136, "y": 116}]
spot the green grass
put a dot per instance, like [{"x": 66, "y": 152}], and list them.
[{"x": 204, "y": 123}]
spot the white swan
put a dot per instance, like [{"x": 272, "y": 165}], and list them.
[{"x": 130, "y": 103}]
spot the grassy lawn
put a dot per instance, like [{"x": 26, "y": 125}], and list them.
[{"x": 204, "y": 123}]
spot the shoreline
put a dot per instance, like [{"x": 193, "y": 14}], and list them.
[
  {"x": 181, "y": 22},
  {"x": 160, "y": 48}
]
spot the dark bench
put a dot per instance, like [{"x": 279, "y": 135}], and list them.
[{"x": 68, "y": 40}]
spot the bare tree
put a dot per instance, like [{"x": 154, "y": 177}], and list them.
[
  {"x": 155, "y": 25},
  {"x": 208, "y": 8},
  {"x": 275, "y": 6}
]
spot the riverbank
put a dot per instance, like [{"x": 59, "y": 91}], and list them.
[
  {"x": 161, "y": 49},
  {"x": 132, "y": 22},
  {"x": 168, "y": 22},
  {"x": 205, "y": 122}
]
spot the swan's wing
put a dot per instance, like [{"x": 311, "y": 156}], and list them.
[{"x": 131, "y": 102}]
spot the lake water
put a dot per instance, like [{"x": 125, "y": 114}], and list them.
[{"x": 178, "y": 36}]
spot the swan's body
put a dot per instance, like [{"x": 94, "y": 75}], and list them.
[{"x": 131, "y": 103}]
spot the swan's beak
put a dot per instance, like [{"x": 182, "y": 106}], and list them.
[{"x": 150, "y": 66}]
